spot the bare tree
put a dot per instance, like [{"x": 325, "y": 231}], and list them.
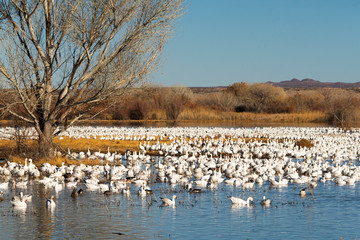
[
  {"x": 341, "y": 106},
  {"x": 226, "y": 101},
  {"x": 263, "y": 97},
  {"x": 306, "y": 100},
  {"x": 176, "y": 98},
  {"x": 59, "y": 55},
  {"x": 242, "y": 94}
]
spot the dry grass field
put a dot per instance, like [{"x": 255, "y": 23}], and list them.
[{"x": 9, "y": 149}]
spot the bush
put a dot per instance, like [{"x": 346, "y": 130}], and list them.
[{"x": 136, "y": 114}]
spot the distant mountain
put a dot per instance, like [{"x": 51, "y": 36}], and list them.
[{"x": 310, "y": 83}]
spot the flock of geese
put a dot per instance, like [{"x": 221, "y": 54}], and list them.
[{"x": 196, "y": 159}]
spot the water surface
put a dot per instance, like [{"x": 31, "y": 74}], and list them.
[{"x": 331, "y": 213}]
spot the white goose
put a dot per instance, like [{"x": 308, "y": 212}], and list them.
[
  {"x": 241, "y": 202},
  {"x": 25, "y": 198},
  {"x": 126, "y": 191},
  {"x": 142, "y": 191},
  {"x": 18, "y": 203},
  {"x": 265, "y": 202},
  {"x": 50, "y": 202},
  {"x": 168, "y": 202},
  {"x": 4, "y": 185}
]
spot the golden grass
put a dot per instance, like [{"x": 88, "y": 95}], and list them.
[
  {"x": 201, "y": 114},
  {"x": 58, "y": 161},
  {"x": 77, "y": 145},
  {"x": 208, "y": 114},
  {"x": 8, "y": 147}
]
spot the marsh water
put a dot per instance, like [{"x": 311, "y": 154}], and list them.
[{"x": 330, "y": 212}]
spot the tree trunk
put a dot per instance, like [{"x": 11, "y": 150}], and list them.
[{"x": 46, "y": 140}]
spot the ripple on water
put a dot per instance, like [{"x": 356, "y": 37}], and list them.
[{"x": 209, "y": 215}]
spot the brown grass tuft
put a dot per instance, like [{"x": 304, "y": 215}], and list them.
[{"x": 304, "y": 143}]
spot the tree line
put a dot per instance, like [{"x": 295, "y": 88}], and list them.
[{"x": 341, "y": 106}]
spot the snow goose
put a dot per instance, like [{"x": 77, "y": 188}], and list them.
[
  {"x": 211, "y": 185},
  {"x": 22, "y": 184},
  {"x": 142, "y": 191},
  {"x": 92, "y": 186},
  {"x": 168, "y": 202},
  {"x": 104, "y": 187},
  {"x": 248, "y": 185},
  {"x": 191, "y": 189},
  {"x": 71, "y": 184},
  {"x": 126, "y": 191},
  {"x": 25, "y": 198},
  {"x": 58, "y": 186},
  {"x": 302, "y": 192},
  {"x": 50, "y": 202},
  {"x": 265, "y": 202},
  {"x": 241, "y": 202},
  {"x": 18, "y": 203},
  {"x": 4, "y": 185}
]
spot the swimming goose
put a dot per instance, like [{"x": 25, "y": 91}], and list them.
[
  {"x": 18, "y": 203},
  {"x": 191, "y": 189},
  {"x": 126, "y": 191},
  {"x": 4, "y": 185},
  {"x": 22, "y": 184},
  {"x": 25, "y": 198},
  {"x": 168, "y": 202},
  {"x": 50, "y": 203},
  {"x": 241, "y": 202},
  {"x": 211, "y": 185},
  {"x": 265, "y": 202},
  {"x": 142, "y": 191},
  {"x": 302, "y": 192},
  {"x": 74, "y": 193},
  {"x": 71, "y": 184},
  {"x": 107, "y": 193}
]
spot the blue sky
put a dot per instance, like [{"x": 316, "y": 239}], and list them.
[{"x": 220, "y": 42}]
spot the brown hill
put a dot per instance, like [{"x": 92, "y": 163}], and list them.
[{"x": 310, "y": 83}]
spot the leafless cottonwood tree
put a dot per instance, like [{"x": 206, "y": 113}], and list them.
[{"x": 58, "y": 56}]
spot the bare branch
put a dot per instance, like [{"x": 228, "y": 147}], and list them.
[{"x": 60, "y": 55}]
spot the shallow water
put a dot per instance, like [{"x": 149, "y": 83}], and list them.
[{"x": 331, "y": 213}]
